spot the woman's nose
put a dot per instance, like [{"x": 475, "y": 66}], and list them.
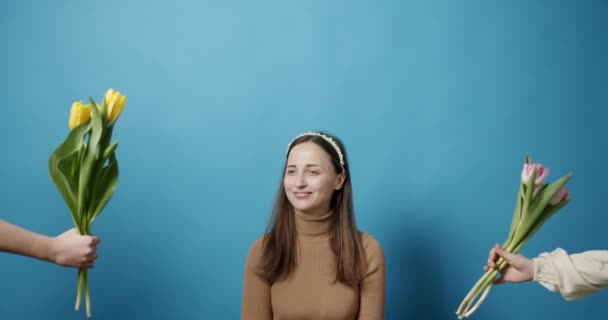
[{"x": 301, "y": 180}]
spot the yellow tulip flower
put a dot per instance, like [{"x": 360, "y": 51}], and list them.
[
  {"x": 80, "y": 113},
  {"x": 115, "y": 102}
]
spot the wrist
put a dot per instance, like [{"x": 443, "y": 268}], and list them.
[
  {"x": 537, "y": 269},
  {"x": 530, "y": 269},
  {"x": 48, "y": 251}
]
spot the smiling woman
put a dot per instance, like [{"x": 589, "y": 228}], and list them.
[{"x": 313, "y": 262}]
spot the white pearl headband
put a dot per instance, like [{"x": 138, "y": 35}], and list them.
[{"x": 326, "y": 138}]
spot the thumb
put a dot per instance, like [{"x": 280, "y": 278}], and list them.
[{"x": 509, "y": 257}]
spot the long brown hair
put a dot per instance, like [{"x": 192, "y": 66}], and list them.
[{"x": 280, "y": 243}]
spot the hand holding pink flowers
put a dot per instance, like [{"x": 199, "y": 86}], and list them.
[{"x": 536, "y": 202}]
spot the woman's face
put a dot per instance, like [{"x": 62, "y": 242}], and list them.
[{"x": 310, "y": 179}]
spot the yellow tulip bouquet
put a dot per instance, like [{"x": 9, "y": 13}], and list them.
[
  {"x": 537, "y": 201},
  {"x": 84, "y": 167}
]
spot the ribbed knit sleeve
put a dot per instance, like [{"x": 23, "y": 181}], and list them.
[
  {"x": 373, "y": 290},
  {"x": 256, "y": 292}
]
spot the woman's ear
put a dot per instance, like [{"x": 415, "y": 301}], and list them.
[{"x": 340, "y": 181}]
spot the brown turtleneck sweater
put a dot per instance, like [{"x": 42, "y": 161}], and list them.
[{"x": 311, "y": 291}]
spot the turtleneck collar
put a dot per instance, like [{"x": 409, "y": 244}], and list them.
[{"x": 313, "y": 226}]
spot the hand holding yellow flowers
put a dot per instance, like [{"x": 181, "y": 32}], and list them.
[{"x": 84, "y": 167}]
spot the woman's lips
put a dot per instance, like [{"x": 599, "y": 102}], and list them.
[{"x": 302, "y": 194}]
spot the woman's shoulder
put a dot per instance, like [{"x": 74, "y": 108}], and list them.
[
  {"x": 374, "y": 254},
  {"x": 254, "y": 256},
  {"x": 369, "y": 240},
  {"x": 370, "y": 243},
  {"x": 257, "y": 247}
]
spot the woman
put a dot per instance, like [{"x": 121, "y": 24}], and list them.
[
  {"x": 313, "y": 263},
  {"x": 573, "y": 276}
]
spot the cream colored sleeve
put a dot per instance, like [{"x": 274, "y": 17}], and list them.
[
  {"x": 373, "y": 286},
  {"x": 573, "y": 276},
  {"x": 256, "y": 304}
]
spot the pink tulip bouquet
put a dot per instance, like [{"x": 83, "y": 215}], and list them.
[{"x": 536, "y": 202}]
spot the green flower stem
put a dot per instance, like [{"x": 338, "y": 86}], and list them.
[
  {"x": 79, "y": 283},
  {"x": 477, "y": 288},
  {"x": 87, "y": 295},
  {"x": 482, "y": 284},
  {"x": 517, "y": 214},
  {"x": 479, "y": 302}
]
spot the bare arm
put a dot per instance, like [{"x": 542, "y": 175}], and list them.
[{"x": 68, "y": 249}]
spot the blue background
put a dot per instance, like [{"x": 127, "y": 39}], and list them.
[{"x": 437, "y": 102}]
